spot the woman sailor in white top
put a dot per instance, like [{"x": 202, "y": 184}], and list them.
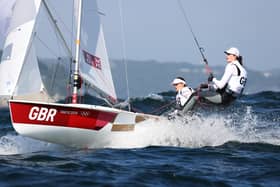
[
  {"x": 184, "y": 95},
  {"x": 234, "y": 79}
]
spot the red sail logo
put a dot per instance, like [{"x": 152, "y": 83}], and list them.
[{"x": 92, "y": 60}]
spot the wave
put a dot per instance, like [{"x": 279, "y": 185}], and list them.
[
  {"x": 256, "y": 97},
  {"x": 12, "y": 144},
  {"x": 159, "y": 103},
  {"x": 252, "y": 118}
]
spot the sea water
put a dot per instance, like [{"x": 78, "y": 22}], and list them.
[{"x": 236, "y": 146}]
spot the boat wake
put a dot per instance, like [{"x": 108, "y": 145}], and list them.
[
  {"x": 12, "y": 144},
  {"x": 196, "y": 131}
]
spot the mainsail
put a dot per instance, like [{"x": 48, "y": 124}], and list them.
[{"x": 38, "y": 51}]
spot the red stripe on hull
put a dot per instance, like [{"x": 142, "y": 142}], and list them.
[{"x": 56, "y": 115}]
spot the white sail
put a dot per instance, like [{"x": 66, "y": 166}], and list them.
[
  {"x": 5, "y": 17},
  {"x": 94, "y": 65},
  {"x": 92, "y": 48},
  {"x": 39, "y": 50},
  {"x": 16, "y": 49},
  {"x": 52, "y": 44}
]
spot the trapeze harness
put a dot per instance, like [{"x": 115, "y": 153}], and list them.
[{"x": 235, "y": 86}]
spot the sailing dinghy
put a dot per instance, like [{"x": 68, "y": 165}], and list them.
[{"x": 74, "y": 124}]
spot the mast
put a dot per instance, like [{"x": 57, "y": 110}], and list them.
[{"x": 76, "y": 61}]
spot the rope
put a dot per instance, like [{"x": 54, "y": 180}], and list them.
[
  {"x": 155, "y": 110},
  {"x": 162, "y": 107}
]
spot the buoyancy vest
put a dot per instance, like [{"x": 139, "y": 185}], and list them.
[
  {"x": 237, "y": 81},
  {"x": 183, "y": 96}
]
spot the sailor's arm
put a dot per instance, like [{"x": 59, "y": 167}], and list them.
[{"x": 219, "y": 84}]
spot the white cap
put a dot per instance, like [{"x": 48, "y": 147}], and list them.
[
  {"x": 233, "y": 51},
  {"x": 177, "y": 81}
]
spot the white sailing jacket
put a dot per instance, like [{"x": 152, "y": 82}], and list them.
[
  {"x": 234, "y": 78},
  {"x": 183, "y": 96}
]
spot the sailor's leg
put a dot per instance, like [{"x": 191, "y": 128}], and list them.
[
  {"x": 211, "y": 96},
  {"x": 190, "y": 104}
]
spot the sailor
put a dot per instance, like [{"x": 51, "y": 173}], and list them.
[
  {"x": 234, "y": 79},
  {"x": 183, "y": 97}
]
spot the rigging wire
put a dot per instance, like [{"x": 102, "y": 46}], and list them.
[
  {"x": 72, "y": 52},
  {"x": 56, "y": 20},
  {"x": 201, "y": 50},
  {"x": 124, "y": 52}
]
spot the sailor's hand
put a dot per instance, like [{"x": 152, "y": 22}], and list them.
[{"x": 210, "y": 78}]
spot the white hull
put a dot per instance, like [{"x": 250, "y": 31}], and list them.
[
  {"x": 80, "y": 126},
  {"x": 71, "y": 137}
]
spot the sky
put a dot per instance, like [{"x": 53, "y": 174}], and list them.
[{"x": 157, "y": 30}]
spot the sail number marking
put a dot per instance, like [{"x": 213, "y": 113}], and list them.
[{"x": 42, "y": 114}]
